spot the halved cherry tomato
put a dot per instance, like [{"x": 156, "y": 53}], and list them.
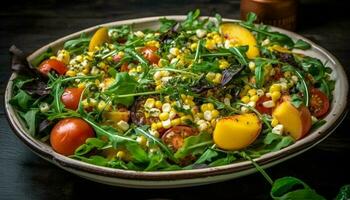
[
  {"x": 319, "y": 104},
  {"x": 175, "y": 136},
  {"x": 68, "y": 134},
  {"x": 261, "y": 108},
  {"x": 149, "y": 52},
  {"x": 52, "y": 64},
  {"x": 71, "y": 97}
]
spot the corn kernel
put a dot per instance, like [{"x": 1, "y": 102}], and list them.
[
  {"x": 275, "y": 87},
  {"x": 275, "y": 95},
  {"x": 193, "y": 46},
  {"x": 217, "y": 78},
  {"x": 213, "y": 122},
  {"x": 260, "y": 92},
  {"x": 141, "y": 140},
  {"x": 251, "y": 65},
  {"x": 210, "y": 76},
  {"x": 269, "y": 104},
  {"x": 210, "y": 106},
  {"x": 274, "y": 122},
  {"x": 158, "y": 104},
  {"x": 164, "y": 116},
  {"x": 123, "y": 125},
  {"x": 154, "y": 126},
  {"x": 166, "y": 124},
  {"x": 223, "y": 64},
  {"x": 203, "y": 126},
  {"x": 254, "y": 98},
  {"x": 245, "y": 99},
  {"x": 149, "y": 103},
  {"x": 252, "y": 92},
  {"x": 176, "y": 122},
  {"x": 71, "y": 73},
  {"x": 207, "y": 115},
  {"x": 81, "y": 85},
  {"x": 121, "y": 155},
  {"x": 210, "y": 44},
  {"x": 186, "y": 118},
  {"x": 215, "y": 113},
  {"x": 101, "y": 105},
  {"x": 174, "y": 51},
  {"x": 204, "y": 107},
  {"x": 200, "y": 115},
  {"x": 159, "y": 125},
  {"x": 287, "y": 74}
]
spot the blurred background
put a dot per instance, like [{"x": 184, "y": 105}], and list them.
[{"x": 32, "y": 24}]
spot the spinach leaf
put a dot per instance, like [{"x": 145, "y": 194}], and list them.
[
  {"x": 301, "y": 44},
  {"x": 22, "y": 100},
  {"x": 30, "y": 117},
  {"x": 296, "y": 100},
  {"x": 292, "y": 188},
  {"x": 194, "y": 145},
  {"x": 123, "y": 84},
  {"x": 47, "y": 54}
]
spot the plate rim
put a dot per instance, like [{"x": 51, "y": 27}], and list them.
[{"x": 47, "y": 153}]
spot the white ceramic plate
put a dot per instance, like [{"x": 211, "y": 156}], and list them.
[{"x": 183, "y": 178}]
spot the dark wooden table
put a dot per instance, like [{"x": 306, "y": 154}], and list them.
[{"x": 23, "y": 175}]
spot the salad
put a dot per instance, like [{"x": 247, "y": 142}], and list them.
[{"x": 191, "y": 94}]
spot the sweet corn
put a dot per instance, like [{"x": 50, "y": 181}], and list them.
[
  {"x": 174, "y": 51},
  {"x": 213, "y": 122},
  {"x": 275, "y": 88},
  {"x": 71, "y": 73},
  {"x": 63, "y": 56},
  {"x": 166, "y": 124},
  {"x": 215, "y": 113},
  {"x": 164, "y": 116},
  {"x": 210, "y": 44},
  {"x": 274, "y": 122},
  {"x": 141, "y": 140},
  {"x": 81, "y": 85},
  {"x": 149, "y": 103},
  {"x": 245, "y": 99},
  {"x": 121, "y": 155},
  {"x": 204, "y": 107},
  {"x": 176, "y": 122},
  {"x": 207, "y": 115},
  {"x": 223, "y": 64},
  {"x": 210, "y": 106},
  {"x": 252, "y": 92},
  {"x": 158, "y": 104},
  {"x": 275, "y": 95},
  {"x": 260, "y": 92},
  {"x": 251, "y": 65},
  {"x": 254, "y": 98},
  {"x": 154, "y": 126},
  {"x": 210, "y": 76},
  {"x": 102, "y": 105},
  {"x": 124, "y": 126},
  {"x": 186, "y": 118},
  {"x": 217, "y": 78},
  {"x": 159, "y": 125},
  {"x": 153, "y": 43}
]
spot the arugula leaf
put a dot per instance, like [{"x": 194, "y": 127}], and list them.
[
  {"x": 275, "y": 142},
  {"x": 77, "y": 46},
  {"x": 194, "y": 145},
  {"x": 166, "y": 24},
  {"x": 301, "y": 44},
  {"x": 123, "y": 84},
  {"x": 292, "y": 188},
  {"x": 223, "y": 161},
  {"x": 95, "y": 160},
  {"x": 137, "y": 153},
  {"x": 250, "y": 19},
  {"x": 296, "y": 100},
  {"x": 317, "y": 124},
  {"x": 191, "y": 20},
  {"x": 344, "y": 193},
  {"x": 90, "y": 144},
  {"x": 207, "y": 156},
  {"x": 205, "y": 66}
]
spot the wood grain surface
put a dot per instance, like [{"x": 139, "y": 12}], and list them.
[{"x": 30, "y": 25}]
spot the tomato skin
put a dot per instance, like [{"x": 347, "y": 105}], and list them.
[
  {"x": 319, "y": 104},
  {"x": 71, "y": 97},
  {"x": 52, "y": 64},
  {"x": 174, "y": 137},
  {"x": 260, "y": 107},
  {"x": 68, "y": 134},
  {"x": 149, "y": 52}
]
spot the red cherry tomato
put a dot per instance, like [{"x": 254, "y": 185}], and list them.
[
  {"x": 319, "y": 104},
  {"x": 261, "y": 108},
  {"x": 52, "y": 64},
  {"x": 149, "y": 52},
  {"x": 175, "y": 136},
  {"x": 71, "y": 97},
  {"x": 68, "y": 134}
]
